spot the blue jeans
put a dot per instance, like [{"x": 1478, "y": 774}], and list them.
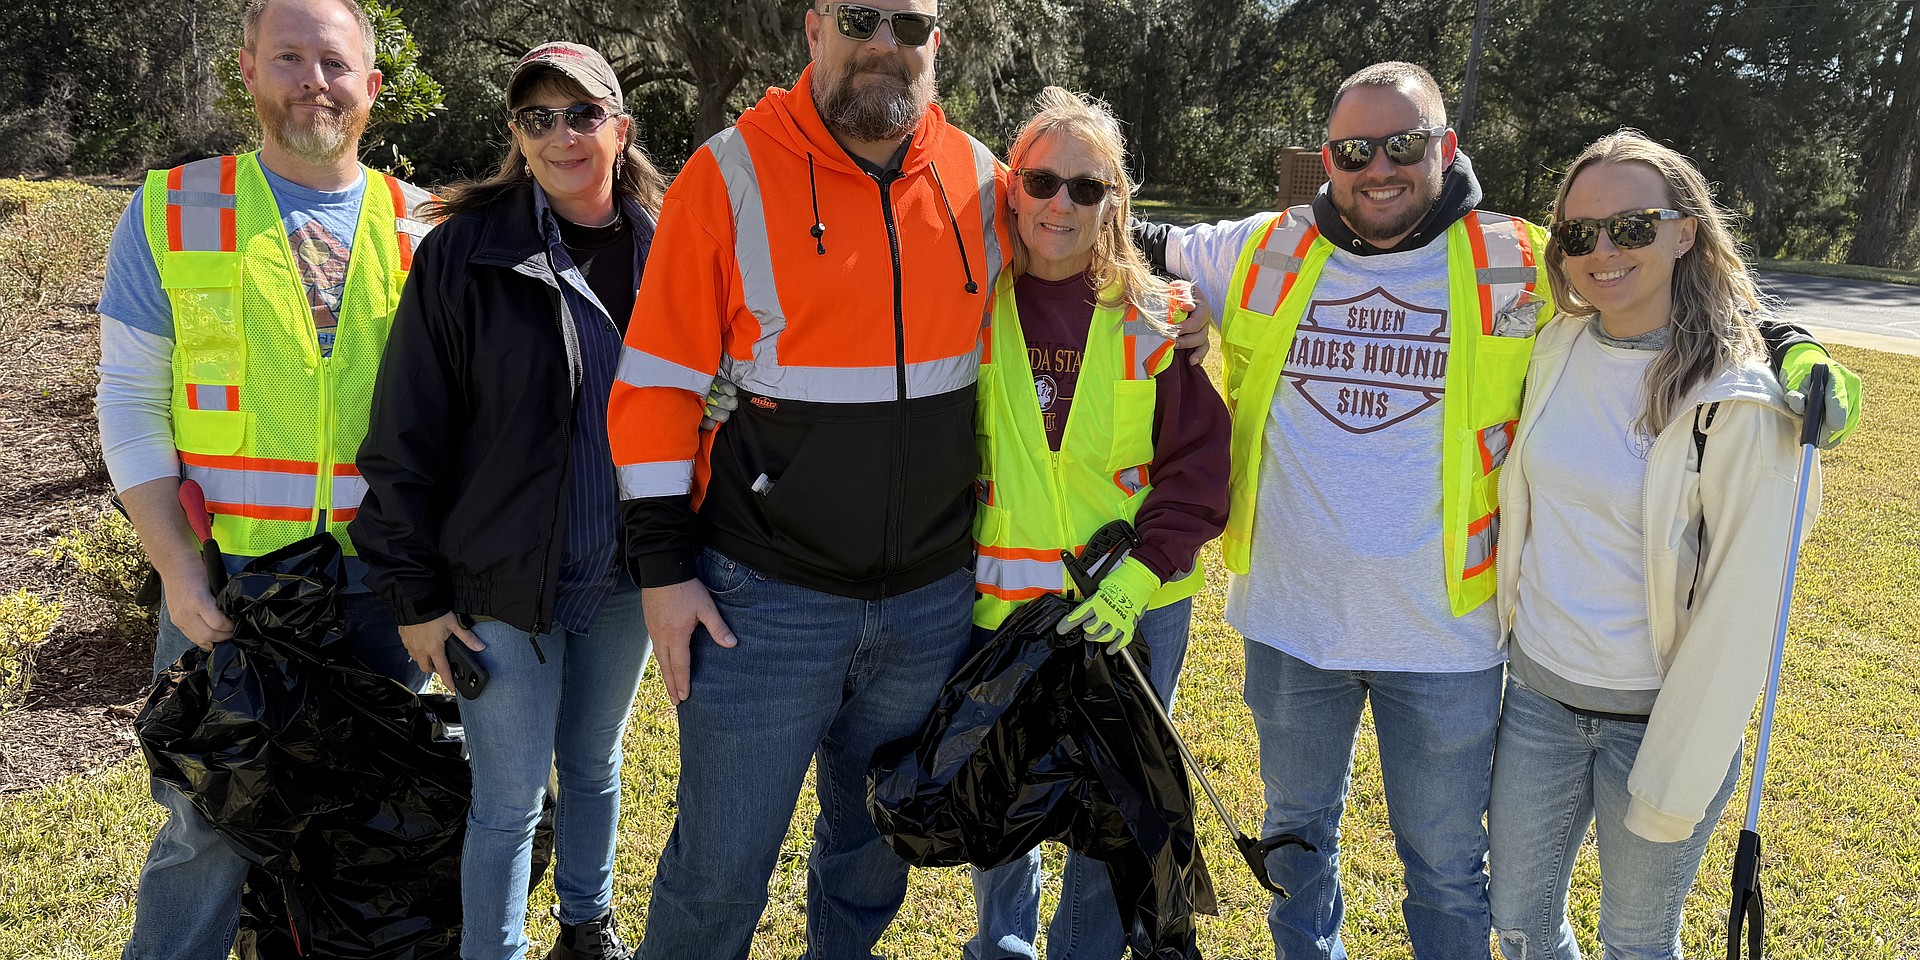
[
  {"x": 815, "y": 677},
  {"x": 1436, "y": 735},
  {"x": 566, "y": 715},
  {"x": 188, "y": 905},
  {"x": 1086, "y": 923},
  {"x": 1554, "y": 773}
]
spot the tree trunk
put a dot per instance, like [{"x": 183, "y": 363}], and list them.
[{"x": 1888, "y": 195}]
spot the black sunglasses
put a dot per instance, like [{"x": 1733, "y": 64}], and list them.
[
  {"x": 581, "y": 118},
  {"x": 1630, "y": 231},
  {"x": 1043, "y": 184},
  {"x": 1405, "y": 148},
  {"x": 858, "y": 22}
]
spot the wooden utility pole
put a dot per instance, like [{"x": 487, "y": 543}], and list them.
[{"x": 1464, "y": 125}]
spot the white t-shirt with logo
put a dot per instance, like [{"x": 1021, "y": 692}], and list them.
[
  {"x": 1582, "y": 599},
  {"x": 1348, "y": 569}
]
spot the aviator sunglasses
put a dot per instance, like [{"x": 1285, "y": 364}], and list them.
[
  {"x": 858, "y": 22},
  {"x": 1630, "y": 231},
  {"x": 581, "y": 118},
  {"x": 1043, "y": 184},
  {"x": 1403, "y": 149}
]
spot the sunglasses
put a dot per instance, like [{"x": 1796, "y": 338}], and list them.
[
  {"x": 1630, "y": 231},
  {"x": 858, "y": 22},
  {"x": 582, "y": 118},
  {"x": 1043, "y": 184},
  {"x": 1403, "y": 149}
]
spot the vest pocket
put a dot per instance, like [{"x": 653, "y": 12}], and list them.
[
  {"x": 204, "y": 288},
  {"x": 1499, "y": 372},
  {"x": 217, "y": 433},
  {"x": 1132, "y": 424}
]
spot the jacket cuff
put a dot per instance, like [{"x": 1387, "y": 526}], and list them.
[
  {"x": 422, "y": 603},
  {"x": 662, "y": 569},
  {"x": 1656, "y": 826}
]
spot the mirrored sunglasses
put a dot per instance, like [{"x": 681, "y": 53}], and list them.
[
  {"x": 1630, "y": 230},
  {"x": 582, "y": 118},
  {"x": 858, "y": 22},
  {"x": 1405, "y": 148}
]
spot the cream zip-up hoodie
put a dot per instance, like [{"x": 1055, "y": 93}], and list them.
[{"x": 1712, "y": 600}]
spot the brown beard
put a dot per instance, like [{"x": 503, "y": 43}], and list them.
[
  {"x": 885, "y": 109},
  {"x": 1379, "y": 232},
  {"x": 322, "y": 137}
]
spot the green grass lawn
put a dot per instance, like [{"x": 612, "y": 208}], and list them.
[
  {"x": 1845, "y": 271},
  {"x": 1841, "y": 828}
]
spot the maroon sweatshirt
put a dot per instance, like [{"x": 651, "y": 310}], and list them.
[{"x": 1191, "y": 430}]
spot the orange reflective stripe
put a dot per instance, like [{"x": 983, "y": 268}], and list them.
[
  {"x": 1482, "y": 537},
  {"x": 1132, "y": 479},
  {"x": 1020, "y": 553},
  {"x": 201, "y": 206},
  {"x": 1495, "y": 441},
  {"x": 251, "y": 463},
  {"x": 1299, "y": 253},
  {"x": 400, "y": 213},
  {"x": 255, "y": 511}
]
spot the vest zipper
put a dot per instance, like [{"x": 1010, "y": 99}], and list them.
[
  {"x": 896, "y": 494},
  {"x": 323, "y": 477}
]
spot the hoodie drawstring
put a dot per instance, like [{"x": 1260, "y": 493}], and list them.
[
  {"x": 819, "y": 229},
  {"x": 958, "y": 240}
]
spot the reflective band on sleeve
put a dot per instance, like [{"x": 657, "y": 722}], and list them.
[
  {"x": 668, "y": 479},
  {"x": 1482, "y": 535},
  {"x": 1494, "y": 443},
  {"x": 985, "y": 169},
  {"x": 641, "y": 369},
  {"x": 201, "y": 205}
]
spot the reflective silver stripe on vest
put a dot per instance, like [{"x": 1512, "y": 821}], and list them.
[
  {"x": 1487, "y": 276},
  {"x": 669, "y": 479},
  {"x": 1276, "y": 262},
  {"x": 348, "y": 491},
  {"x": 1494, "y": 443},
  {"x": 200, "y": 201},
  {"x": 209, "y": 396},
  {"x": 1480, "y": 545},
  {"x": 254, "y": 488},
  {"x": 640, "y": 369},
  {"x": 984, "y": 168},
  {"x": 1010, "y": 575}
]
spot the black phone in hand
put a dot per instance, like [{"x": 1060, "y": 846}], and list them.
[{"x": 469, "y": 677}]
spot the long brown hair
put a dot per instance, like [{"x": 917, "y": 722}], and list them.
[
  {"x": 636, "y": 177},
  {"x": 1715, "y": 302},
  {"x": 1115, "y": 259}
]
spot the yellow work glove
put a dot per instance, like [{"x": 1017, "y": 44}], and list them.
[
  {"x": 1110, "y": 615},
  {"x": 1843, "y": 391}
]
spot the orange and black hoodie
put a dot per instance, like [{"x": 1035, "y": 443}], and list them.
[{"x": 847, "y": 304}]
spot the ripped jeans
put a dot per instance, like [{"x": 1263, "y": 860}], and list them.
[{"x": 1554, "y": 773}]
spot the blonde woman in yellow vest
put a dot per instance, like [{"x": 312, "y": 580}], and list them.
[
  {"x": 246, "y": 306},
  {"x": 1086, "y": 416}
]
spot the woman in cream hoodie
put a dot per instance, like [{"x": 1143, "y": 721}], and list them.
[{"x": 1647, "y": 501}]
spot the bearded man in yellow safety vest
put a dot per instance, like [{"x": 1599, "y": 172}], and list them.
[
  {"x": 1376, "y": 343},
  {"x": 246, "y": 305}
]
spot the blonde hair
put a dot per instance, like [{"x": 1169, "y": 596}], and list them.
[
  {"x": 1713, "y": 324},
  {"x": 636, "y": 177},
  {"x": 1116, "y": 262}
]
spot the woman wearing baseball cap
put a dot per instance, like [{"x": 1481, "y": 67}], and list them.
[{"x": 491, "y": 516}]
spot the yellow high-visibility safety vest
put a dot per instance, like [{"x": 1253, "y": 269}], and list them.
[
  {"x": 267, "y": 426},
  {"x": 1035, "y": 502},
  {"x": 1496, "y": 279}
]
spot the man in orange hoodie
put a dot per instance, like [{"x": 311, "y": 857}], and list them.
[{"x": 805, "y": 566}]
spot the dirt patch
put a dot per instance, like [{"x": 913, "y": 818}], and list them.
[{"x": 87, "y": 684}]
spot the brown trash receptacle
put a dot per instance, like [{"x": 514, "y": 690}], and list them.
[{"x": 1301, "y": 174}]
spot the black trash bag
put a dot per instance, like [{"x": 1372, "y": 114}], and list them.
[
  {"x": 345, "y": 792},
  {"x": 1039, "y": 737}
]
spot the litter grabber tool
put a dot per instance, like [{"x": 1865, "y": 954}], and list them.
[
  {"x": 1749, "y": 907},
  {"x": 194, "y": 501},
  {"x": 1105, "y": 549}
]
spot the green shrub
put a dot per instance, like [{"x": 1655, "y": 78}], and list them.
[
  {"x": 25, "y": 622},
  {"x": 53, "y": 240},
  {"x": 105, "y": 560}
]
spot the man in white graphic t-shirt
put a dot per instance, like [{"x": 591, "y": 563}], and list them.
[{"x": 1376, "y": 341}]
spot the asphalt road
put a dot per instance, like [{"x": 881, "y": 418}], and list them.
[{"x": 1886, "y": 309}]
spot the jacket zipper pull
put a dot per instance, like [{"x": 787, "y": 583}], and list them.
[{"x": 536, "y": 648}]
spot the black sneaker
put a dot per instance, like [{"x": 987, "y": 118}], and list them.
[{"x": 593, "y": 940}]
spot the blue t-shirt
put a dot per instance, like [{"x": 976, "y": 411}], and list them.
[{"x": 320, "y": 227}]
